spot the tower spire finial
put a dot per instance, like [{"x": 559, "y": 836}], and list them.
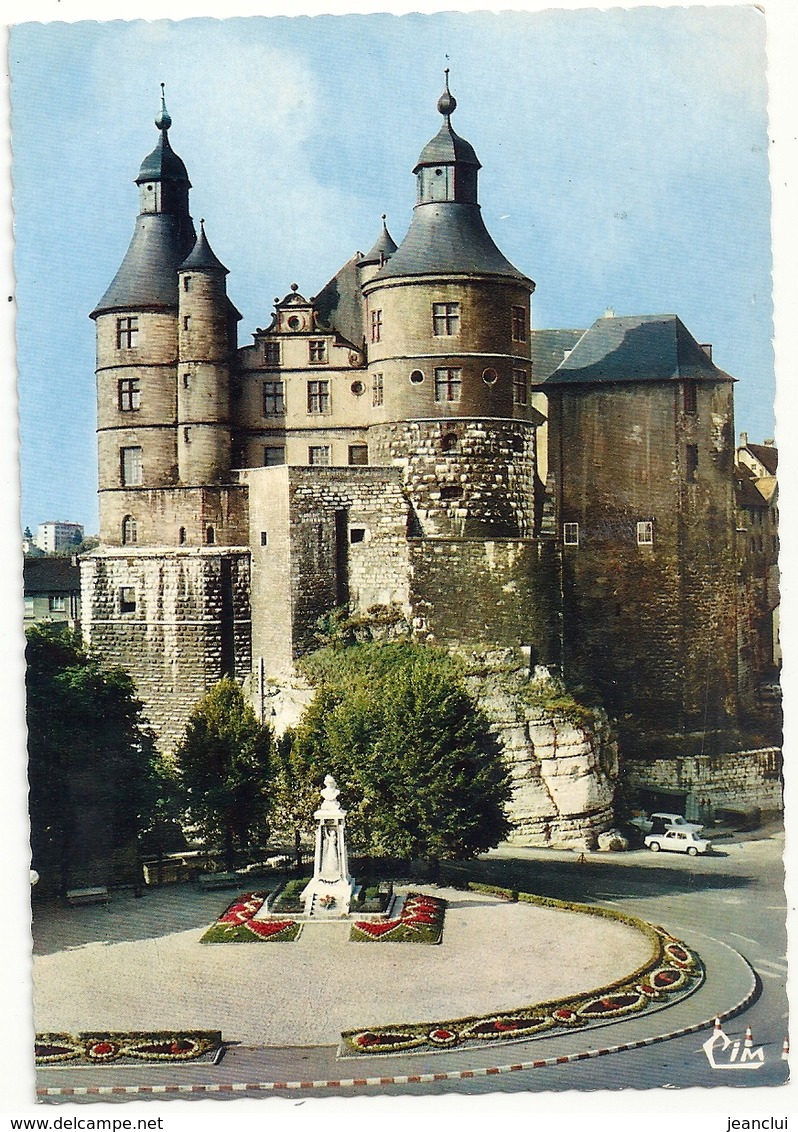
[
  {"x": 163, "y": 121},
  {"x": 447, "y": 102}
]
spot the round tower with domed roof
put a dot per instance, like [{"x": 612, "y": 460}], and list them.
[{"x": 449, "y": 326}]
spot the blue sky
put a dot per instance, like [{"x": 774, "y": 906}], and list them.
[{"x": 624, "y": 159}]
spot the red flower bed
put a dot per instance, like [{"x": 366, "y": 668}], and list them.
[
  {"x": 421, "y": 921},
  {"x": 237, "y": 925}
]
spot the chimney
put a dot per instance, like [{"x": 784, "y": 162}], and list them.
[
  {"x": 743, "y": 439},
  {"x": 609, "y": 312},
  {"x": 770, "y": 442}
]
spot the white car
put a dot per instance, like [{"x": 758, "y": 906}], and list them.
[
  {"x": 659, "y": 822},
  {"x": 677, "y": 841}
]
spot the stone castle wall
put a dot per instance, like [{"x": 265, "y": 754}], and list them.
[
  {"x": 502, "y": 592},
  {"x": 741, "y": 780},
  {"x": 464, "y": 477},
  {"x": 176, "y": 620}
]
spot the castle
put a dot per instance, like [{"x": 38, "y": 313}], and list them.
[{"x": 406, "y": 437}]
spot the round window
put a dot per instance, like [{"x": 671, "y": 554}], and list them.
[
  {"x": 294, "y": 323},
  {"x": 489, "y": 376},
  {"x": 358, "y": 388},
  {"x": 416, "y": 377},
  {"x": 438, "y": 172}
]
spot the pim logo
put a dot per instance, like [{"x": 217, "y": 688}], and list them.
[{"x": 723, "y": 1052}]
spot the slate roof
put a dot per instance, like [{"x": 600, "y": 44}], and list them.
[
  {"x": 50, "y": 575},
  {"x": 746, "y": 491},
  {"x": 202, "y": 256},
  {"x": 446, "y": 148},
  {"x": 163, "y": 164},
  {"x": 339, "y": 304},
  {"x": 383, "y": 249},
  {"x": 640, "y": 348},
  {"x": 146, "y": 277},
  {"x": 548, "y": 350},
  {"x": 767, "y": 455},
  {"x": 448, "y": 237}
]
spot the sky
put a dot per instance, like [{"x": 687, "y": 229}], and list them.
[{"x": 624, "y": 159}]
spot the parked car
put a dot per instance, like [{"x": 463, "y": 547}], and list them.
[
  {"x": 677, "y": 841},
  {"x": 659, "y": 822}
]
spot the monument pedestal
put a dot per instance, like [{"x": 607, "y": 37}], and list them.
[{"x": 330, "y": 891}]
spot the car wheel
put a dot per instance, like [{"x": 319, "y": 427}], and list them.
[
  {"x": 654, "y": 846},
  {"x": 691, "y": 852}
]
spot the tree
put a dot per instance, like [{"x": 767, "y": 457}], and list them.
[
  {"x": 95, "y": 780},
  {"x": 294, "y": 795},
  {"x": 415, "y": 760},
  {"x": 223, "y": 767}
]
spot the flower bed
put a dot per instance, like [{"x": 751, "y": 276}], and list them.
[
  {"x": 236, "y": 924},
  {"x": 128, "y": 1048},
  {"x": 287, "y": 899},
  {"x": 672, "y": 972},
  {"x": 421, "y": 921}
]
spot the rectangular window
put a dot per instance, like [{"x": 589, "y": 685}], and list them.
[
  {"x": 127, "y": 599},
  {"x": 645, "y": 532},
  {"x": 357, "y": 534},
  {"x": 692, "y": 463},
  {"x": 264, "y": 538},
  {"x": 318, "y": 396},
  {"x": 376, "y": 389},
  {"x": 57, "y": 603},
  {"x": 520, "y": 387},
  {"x": 445, "y": 319},
  {"x": 186, "y": 282},
  {"x": 273, "y": 399},
  {"x": 317, "y": 352},
  {"x": 570, "y": 534},
  {"x": 273, "y": 455},
  {"x": 187, "y": 434},
  {"x": 186, "y": 380},
  {"x": 376, "y": 326},
  {"x": 319, "y": 456},
  {"x": 186, "y": 321},
  {"x": 690, "y": 399},
  {"x": 127, "y": 332},
  {"x": 271, "y": 353},
  {"x": 131, "y": 467},
  {"x": 519, "y": 324},
  {"x": 448, "y": 384},
  {"x": 358, "y": 455},
  {"x": 129, "y": 394}
]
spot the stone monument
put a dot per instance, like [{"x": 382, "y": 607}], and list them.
[{"x": 331, "y": 888}]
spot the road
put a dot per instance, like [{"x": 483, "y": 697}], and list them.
[{"x": 736, "y": 895}]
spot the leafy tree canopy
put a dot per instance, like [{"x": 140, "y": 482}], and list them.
[
  {"x": 419, "y": 770},
  {"x": 223, "y": 764},
  {"x": 90, "y": 752}
]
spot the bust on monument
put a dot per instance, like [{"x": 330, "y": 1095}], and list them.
[{"x": 329, "y": 892}]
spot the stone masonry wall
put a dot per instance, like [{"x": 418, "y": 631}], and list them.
[
  {"x": 464, "y": 476},
  {"x": 740, "y": 780},
  {"x": 189, "y": 625},
  {"x": 502, "y": 592},
  {"x": 321, "y": 538}
]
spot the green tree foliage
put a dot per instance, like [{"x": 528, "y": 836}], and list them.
[
  {"x": 294, "y": 794},
  {"x": 418, "y": 768},
  {"x": 95, "y": 781},
  {"x": 223, "y": 765}
]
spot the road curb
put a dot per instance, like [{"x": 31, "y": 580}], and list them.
[{"x": 396, "y": 1079}]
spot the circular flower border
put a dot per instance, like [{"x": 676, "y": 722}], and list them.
[{"x": 672, "y": 972}]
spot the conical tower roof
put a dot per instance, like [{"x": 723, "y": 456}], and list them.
[
  {"x": 202, "y": 256},
  {"x": 383, "y": 248}
]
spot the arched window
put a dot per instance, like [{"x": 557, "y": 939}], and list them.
[
  {"x": 210, "y": 536},
  {"x": 181, "y": 536},
  {"x": 129, "y": 532}
]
